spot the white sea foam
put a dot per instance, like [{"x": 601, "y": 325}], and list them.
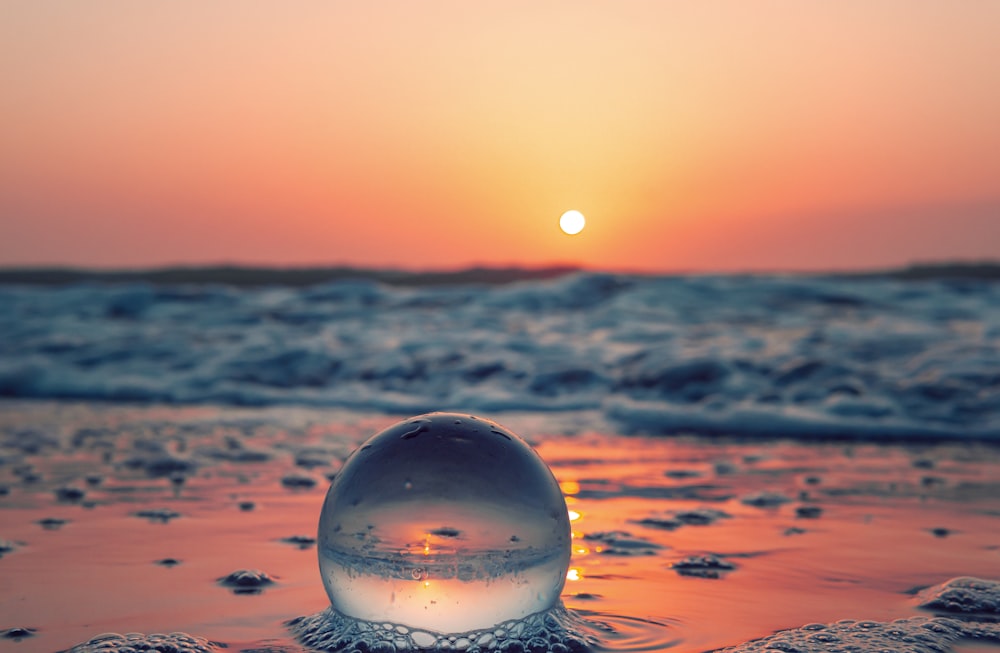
[{"x": 771, "y": 355}]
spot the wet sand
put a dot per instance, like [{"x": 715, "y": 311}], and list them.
[{"x": 129, "y": 519}]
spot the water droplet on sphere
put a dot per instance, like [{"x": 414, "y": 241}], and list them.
[{"x": 438, "y": 511}]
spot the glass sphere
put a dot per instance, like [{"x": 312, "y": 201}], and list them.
[{"x": 444, "y": 522}]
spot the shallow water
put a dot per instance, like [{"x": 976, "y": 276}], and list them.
[{"x": 130, "y": 519}]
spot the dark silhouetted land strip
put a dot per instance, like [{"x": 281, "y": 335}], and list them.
[
  {"x": 977, "y": 270},
  {"x": 261, "y": 276},
  {"x": 249, "y": 277}
]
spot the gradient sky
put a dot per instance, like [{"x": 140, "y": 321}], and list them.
[{"x": 697, "y": 135}]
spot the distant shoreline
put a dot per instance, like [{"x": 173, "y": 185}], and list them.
[{"x": 258, "y": 276}]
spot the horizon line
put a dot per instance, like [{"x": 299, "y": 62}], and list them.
[{"x": 254, "y": 275}]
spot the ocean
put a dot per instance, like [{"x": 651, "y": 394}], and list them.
[{"x": 736, "y": 355}]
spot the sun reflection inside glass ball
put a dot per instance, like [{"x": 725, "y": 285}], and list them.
[{"x": 445, "y": 522}]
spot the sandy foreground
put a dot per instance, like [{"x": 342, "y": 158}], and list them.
[{"x": 117, "y": 518}]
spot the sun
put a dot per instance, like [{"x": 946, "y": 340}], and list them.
[{"x": 572, "y": 222}]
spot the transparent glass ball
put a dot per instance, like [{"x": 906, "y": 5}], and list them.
[{"x": 444, "y": 522}]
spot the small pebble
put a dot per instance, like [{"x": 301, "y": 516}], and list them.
[
  {"x": 682, "y": 473},
  {"x": 700, "y": 516},
  {"x": 18, "y": 633},
  {"x": 52, "y": 523},
  {"x": 297, "y": 482},
  {"x": 161, "y": 515},
  {"x": 69, "y": 494},
  {"x": 765, "y": 499},
  {"x": 703, "y": 566},
  {"x": 665, "y": 523},
  {"x": 808, "y": 512},
  {"x": 309, "y": 461},
  {"x": 246, "y": 581},
  {"x": 301, "y": 541},
  {"x": 678, "y": 518},
  {"x": 621, "y": 543}
]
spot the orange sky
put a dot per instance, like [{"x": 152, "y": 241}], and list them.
[{"x": 693, "y": 135}]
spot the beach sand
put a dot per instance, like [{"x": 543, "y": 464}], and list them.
[{"x": 124, "y": 518}]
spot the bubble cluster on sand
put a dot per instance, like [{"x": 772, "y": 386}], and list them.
[
  {"x": 965, "y": 595},
  {"x": 974, "y": 599},
  {"x": 132, "y": 642},
  {"x": 914, "y": 635},
  {"x": 554, "y": 631}
]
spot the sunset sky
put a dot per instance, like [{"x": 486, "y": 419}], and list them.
[{"x": 695, "y": 135}]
